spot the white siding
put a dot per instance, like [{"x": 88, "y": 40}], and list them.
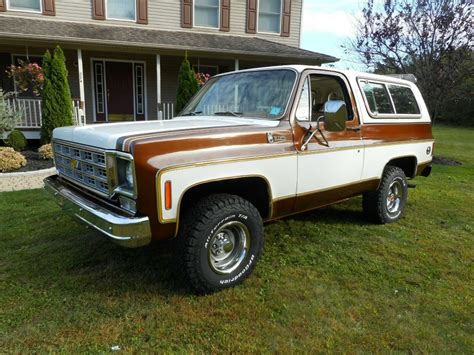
[{"x": 166, "y": 15}]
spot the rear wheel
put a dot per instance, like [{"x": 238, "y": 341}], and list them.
[
  {"x": 223, "y": 239},
  {"x": 387, "y": 203}
]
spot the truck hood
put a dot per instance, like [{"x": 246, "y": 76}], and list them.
[{"x": 107, "y": 135}]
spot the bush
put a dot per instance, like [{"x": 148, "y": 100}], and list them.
[
  {"x": 56, "y": 104},
  {"x": 45, "y": 151},
  {"x": 16, "y": 140},
  {"x": 8, "y": 116},
  {"x": 187, "y": 85},
  {"x": 10, "y": 160}
]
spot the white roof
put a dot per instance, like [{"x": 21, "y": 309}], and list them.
[{"x": 351, "y": 74}]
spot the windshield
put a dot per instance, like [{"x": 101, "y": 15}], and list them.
[{"x": 255, "y": 94}]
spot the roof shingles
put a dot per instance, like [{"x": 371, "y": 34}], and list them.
[{"x": 18, "y": 27}]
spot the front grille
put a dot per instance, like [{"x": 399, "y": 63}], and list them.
[{"x": 82, "y": 164}]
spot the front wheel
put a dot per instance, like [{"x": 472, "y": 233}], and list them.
[
  {"x": 387, "y": 203},
  {"x": 223, "y": 239}
]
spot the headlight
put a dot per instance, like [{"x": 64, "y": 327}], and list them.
[{"x": 125, "y": 174}]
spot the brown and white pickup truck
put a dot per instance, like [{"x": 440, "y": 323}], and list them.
[{"x": 252, "y": 146}]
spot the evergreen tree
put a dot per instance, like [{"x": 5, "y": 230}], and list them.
[
  {"x": 187, "y": 84},
  {"x": 56, "y": 105}
]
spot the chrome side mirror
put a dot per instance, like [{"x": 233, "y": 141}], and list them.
[{"x": 335, "y": 113}]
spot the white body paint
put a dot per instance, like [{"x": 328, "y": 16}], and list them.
[
  {"x": 320, "y": 171},
  {"x": 282, "y": 181},
  {"x": 106, "y": 135}
]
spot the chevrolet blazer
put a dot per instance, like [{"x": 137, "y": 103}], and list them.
[{"x": 251, "y": 146}]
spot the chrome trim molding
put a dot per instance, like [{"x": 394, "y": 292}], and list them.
[{"x": 130, "y": 232}]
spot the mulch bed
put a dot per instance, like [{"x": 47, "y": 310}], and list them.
[
  {"x": 34, "y": 162},
  {"x": 439, "y": 160}
]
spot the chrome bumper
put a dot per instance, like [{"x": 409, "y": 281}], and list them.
[{"x": 130, "y": 232}]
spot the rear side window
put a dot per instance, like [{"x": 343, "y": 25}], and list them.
[
  {"x": 377, "y": 98},
  {"x": 404, "y": 100},
  {"x": 389, "y": 99}
]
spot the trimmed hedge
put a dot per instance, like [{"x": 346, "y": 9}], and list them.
[{"x": 16, "y": 139}]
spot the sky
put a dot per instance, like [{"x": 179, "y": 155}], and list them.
[{"x": 328, "y": 24}]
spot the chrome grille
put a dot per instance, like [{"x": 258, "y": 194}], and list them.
[{"x": 83, "y": 165}]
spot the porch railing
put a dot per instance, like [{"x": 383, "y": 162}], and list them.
[
  {"x": 166, "y": 110},
  {"x": 30, "y": 109}
]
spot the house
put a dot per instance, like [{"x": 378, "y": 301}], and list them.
[{"x": 123, "y": 56}]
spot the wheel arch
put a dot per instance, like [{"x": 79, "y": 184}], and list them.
[
  {"x": 254, "y": 188},
  {"x": 407, "y": 163}
]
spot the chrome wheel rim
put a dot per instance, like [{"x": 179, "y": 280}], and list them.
[
  {"x": 395, "y": 196},
  {"x": 228, "y": 247}
]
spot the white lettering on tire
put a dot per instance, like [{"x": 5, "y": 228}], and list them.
[{"x": 236, "y": 277}]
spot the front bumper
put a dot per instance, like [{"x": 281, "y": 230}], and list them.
[{"x": 130, "y": 232}]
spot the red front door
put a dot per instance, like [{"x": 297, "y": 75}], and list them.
[{"x": 120, "y": 95}]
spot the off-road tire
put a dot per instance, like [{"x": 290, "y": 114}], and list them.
[
  {"x": 375, "y": 204},
  {"x": 200, "y": 224}
]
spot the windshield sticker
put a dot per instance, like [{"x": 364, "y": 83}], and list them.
[{"x": 275, "y": 111}]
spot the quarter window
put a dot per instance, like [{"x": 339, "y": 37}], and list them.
[
  {"x": 206, "y": 13},
  {"x": 269, "y": 16},
  {"x": 121, "y": 9},
  {"x": 404, "y": 100},
  {"x": 377, "y": 97},
  {"x": 25, "y": 5}
]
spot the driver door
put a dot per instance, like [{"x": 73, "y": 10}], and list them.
[{"x": 330, "y": 165}]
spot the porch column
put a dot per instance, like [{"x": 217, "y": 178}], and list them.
[
  {"x": 236, "y": 64},
  {"x": 158, "y": 86},
  {"x": 82, "y": 99}
]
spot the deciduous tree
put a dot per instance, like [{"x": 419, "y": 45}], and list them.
[{"x": 431, "y": 39}]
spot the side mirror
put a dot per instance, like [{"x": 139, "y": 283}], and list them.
[{"x": 335, "y": 113}]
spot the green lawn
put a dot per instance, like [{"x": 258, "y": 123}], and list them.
[{"x": 328, "y": 281}]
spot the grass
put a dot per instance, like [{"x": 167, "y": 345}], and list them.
[{"x": 328, "y": 281}]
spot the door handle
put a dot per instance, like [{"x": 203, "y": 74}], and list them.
[{"x": 355, "y": 128}]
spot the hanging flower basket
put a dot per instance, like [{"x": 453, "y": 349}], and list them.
[
  {"x": 202, "y": 78},
  {"x": 27, "y": 76}
]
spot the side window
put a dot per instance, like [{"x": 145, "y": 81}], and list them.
[
  {"x": 404, "y": 100},
  {"x": 206, "y": 13},
  {"x": 302, "y": 111},
  {"x": 25, "y": 5},
  {"x": 377, "y": 97},
  {"x": 121, "y": 9},
  {"x": 327, "y": 93},
  {"x": 269, "y": 16}
]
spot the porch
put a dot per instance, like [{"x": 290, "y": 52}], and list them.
[{"x": 112, "y": 86}]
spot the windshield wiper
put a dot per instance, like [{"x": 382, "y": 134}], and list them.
[
  {"x": 227, "y": 113},
  {"x": 193, "y": 113}
]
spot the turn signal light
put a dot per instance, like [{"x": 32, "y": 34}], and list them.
[{"x": 168, "y": 195}]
